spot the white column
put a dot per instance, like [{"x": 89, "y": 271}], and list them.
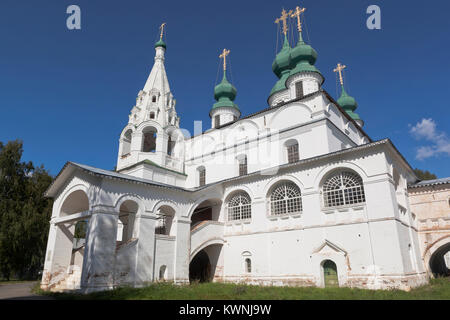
[{"x": 182, "y": 249}]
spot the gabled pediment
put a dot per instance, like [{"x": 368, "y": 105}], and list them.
[{"x": 328, "y": 247}]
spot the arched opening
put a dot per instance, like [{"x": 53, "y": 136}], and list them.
[
  {"x": 162, "y": 273},
  {"x": 208, "y": 210},
  {"x": 165, "y": 218},
  {"x": 70, "y": 238},
  {"x": 125, "y": 224},
  {"x": 149, "y": 139},
  {"x": 292, "y": 150},
  {"x": 242, "y": 159},
  {"x": 76, "y": 202},
  {"x": 171, "y": 146},
  {"x": 440, "y": 261},
  {"x": 201, "y": 174},
  {"x": 330, "y": 274},
  {"x": 126, "y": 143},
  {"x": 204, "y": 265},
  {"x": 248, "y": 265},
  {"x": 200, "y": 268}
]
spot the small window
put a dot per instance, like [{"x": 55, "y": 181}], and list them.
[
  {"x": 234, "y": 118},
  {"x": 161, "y": 225},
  {"x": 152, "y": 115},
  {"x": 162, "y": 273},
  {"x": 248, "y": 265},
  {"x": 299, "y": 89},
  {"x": 216, "y": 121},
  {"x": 154, "y": 99},
  {"x": 243, "y": 166},
  {"x": 292, "y": 151},
  {"x": 202, "y": 176}
]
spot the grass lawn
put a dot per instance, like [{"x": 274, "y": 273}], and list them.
[{"x": 437, "y": 289}]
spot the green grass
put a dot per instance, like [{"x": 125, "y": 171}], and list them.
[{"x": 437, "y": 289}]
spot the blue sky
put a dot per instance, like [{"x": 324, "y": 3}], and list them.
[{"x": 67, "y": 94}]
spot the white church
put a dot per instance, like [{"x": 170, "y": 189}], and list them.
[{"x": 294, "y": 194}]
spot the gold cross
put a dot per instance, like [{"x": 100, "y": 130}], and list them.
[
  {"x": 297, "y": 13},
  {"x": 224, "y": 54},
  {"x": 162, "y": 30},
  {"x": 284, "y": 17},
  {"x": 339, "y": 69}
]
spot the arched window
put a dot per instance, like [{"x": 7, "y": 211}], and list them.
[
  {"x": 243, "y": 165},
  {"x": 162, "y": 272},
  {"x": 343, "y": 188},
  {"x": 149, "y": 140},
  {"x": 248, "y": 265},
  {"x": 201, "y": 176},
  {"x": 170, "y": 145},
  {"x": 164, "y": 222},
  {"x": 239, "y": 207},
  {"x": 126, "y": 143},
  {"x": 292, "y": 151},
  {"x": 285, "y": 198},
  {"x": 127, "y": 215}
]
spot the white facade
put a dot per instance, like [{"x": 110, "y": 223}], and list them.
[{"x": 170, "y": 211}]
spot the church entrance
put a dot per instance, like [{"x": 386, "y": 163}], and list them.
[
  {"x": 200, "y": 268},
  {"x": 440, "y": 261},
  {"x": 330, "y": 274}
]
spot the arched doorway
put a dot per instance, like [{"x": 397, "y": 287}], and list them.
[
  {"x": 440, "y": 261},
  {"x": 330, "y": 275},
  {"x": 207, "y": 264},
  {"x": 200, "y": 268}
]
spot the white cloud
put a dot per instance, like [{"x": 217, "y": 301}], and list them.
[{"x": 439, "y": 141}]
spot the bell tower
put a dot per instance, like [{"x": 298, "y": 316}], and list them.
[{"x": 152, "y": 138}]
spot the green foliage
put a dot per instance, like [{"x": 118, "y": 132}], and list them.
[
  {"x": 424, "y": 175},
  {"x": 438, "y": 289},
  {"x": 24, "y": 214}
]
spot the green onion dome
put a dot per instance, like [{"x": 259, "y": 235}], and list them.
[
  {"x": 349, "y": 104},
  {"x": 303, "y": 58},
  {"x": 160, "y": 43},
  {"x": 225, "y": 93},
  {"x": 281, "y": 66}
]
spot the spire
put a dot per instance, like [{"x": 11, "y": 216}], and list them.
[
  {"x": 347, "y": 102},
  {"x": 157, "y": 80}
]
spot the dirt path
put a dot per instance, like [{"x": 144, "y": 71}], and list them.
[{"x": 20, "y": 291}]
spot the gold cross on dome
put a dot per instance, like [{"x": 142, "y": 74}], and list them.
[
  {"x": 297, "y": 13},
  {"x": 162, "y": 30},
  {"x": 339, "y": 69},
  {"x": 224, "y": 54},
  {"x": 284, "y": 17}
]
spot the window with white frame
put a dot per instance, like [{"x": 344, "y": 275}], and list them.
[
  {"x": 285, "y": 198},
  {"x": 248, "y": 265},
  {"x": 292, "y": 152},
  {"x": 239, "y": 207},
  {"x": 343, "y": 188},
  {"x": 201, "y": 176},
  {"x": 243, "y": 166}
]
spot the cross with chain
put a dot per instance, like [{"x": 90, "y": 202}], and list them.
[
  {"x": 224, "y": 54},
  {"x": 297, "y": 13},
  {"x": 284, "y": 17},
  {"x": 339, "y": 69}
]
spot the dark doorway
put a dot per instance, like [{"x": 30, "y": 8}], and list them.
[
  {"x": 200, "y": 268},
  {"x": 330, "y": 274},
  {"x": 438, "y": 264}
]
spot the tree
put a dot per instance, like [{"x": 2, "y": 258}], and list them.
[
  {"x": 424, "y": 175},
  {"x": 24, "y": 213}
]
